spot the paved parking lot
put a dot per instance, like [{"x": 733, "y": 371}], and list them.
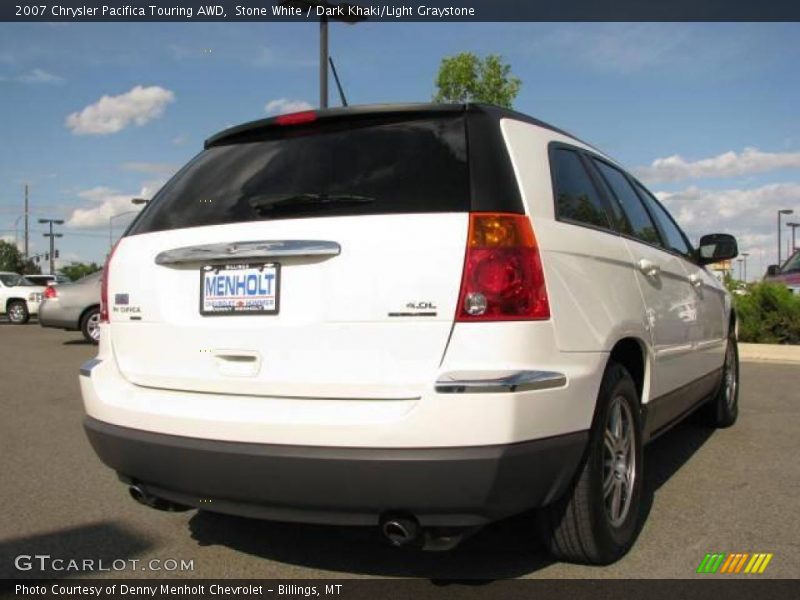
[{"x": 735, "y": 490}]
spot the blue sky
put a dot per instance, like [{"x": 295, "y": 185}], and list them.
[{"x": 722, "y": 100}]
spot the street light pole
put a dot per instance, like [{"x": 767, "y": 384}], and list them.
[
  {"x": 330, "y": 9},
  {"x": 783, "y": 211},
  {"x": 323, "y": 62}
]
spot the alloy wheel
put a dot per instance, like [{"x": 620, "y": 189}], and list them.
[{"x": 619, "y": 461}]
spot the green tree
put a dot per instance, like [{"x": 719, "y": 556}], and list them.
[
  {"x": 77, "y": 270},
  {"x": 11, "y": 259},
  {"x": 467, "y": 78}
]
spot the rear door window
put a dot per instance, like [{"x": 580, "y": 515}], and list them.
[
  {"x": 339, "y": 169},
  {"x": 637, "y": 222},
  {"x": 577, "y": 198}
]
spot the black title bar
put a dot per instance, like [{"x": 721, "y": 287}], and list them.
[{"x": 390, "y": 10}]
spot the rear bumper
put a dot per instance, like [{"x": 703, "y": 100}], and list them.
[{"x": 456, "y": 487}]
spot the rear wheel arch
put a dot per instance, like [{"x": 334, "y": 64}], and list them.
[
  {"x": 631, "y": 353},
  {"x": 13, "y": 299},
  {"x": 86, "y": 311}
]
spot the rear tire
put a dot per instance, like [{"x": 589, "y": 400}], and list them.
[
  {"x": 723, "y": 409},
  {"x": 90, "y": 326},
  {"x": 17, "y": 312},
  {"x": 598, "y": 519}
]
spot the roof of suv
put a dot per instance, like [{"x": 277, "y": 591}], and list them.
[{"x": 243, "y": 131}]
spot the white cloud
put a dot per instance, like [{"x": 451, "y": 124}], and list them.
[
  {"x": 749, "y": 214},
  {"x": 180, "y": 140},
  {"x": 103, "y": 202},
  {"x": 728, "y": 164},
  {"x": 111, "y": 114},
  {"x": 40, "y": 76},
  {"x": 284, "y": 105}
]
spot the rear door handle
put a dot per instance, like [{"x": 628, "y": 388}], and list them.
[
  {"x": 648, "y": 267},
  {"x": 695, "y": 280}
]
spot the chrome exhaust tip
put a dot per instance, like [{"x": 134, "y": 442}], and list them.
[{"x": 400, "y": 531}]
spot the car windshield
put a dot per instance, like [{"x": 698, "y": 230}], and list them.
[
  {"x": 793, "y": 264},
  {"x": 12, "y": 280}
]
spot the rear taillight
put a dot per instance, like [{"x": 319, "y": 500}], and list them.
[
  {"x": 503, "y": 278},
  {"x": 50, "y": 292},
  {"x": 104, "y": 286}
]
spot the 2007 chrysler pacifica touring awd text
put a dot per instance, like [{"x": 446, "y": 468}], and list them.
[{"x": 419, "y": 317}]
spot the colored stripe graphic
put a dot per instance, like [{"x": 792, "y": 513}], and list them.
[
  {"x": 711, "y": 563},
  {"x": 732, "y": 560},
  {"x": 722, "y": 563}
]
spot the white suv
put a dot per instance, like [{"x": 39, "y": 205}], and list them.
[
  {"x": 423, "y": 317},
  {"x": 19, "y": 297}
]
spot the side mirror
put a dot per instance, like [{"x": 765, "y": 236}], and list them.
[
  {"x": 773, "y": 270},
  {"x": 716, "y": 247}
]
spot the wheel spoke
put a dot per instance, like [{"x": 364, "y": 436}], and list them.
[
  {"x": 608, "y": 482},
  {"x": 610, "y": 443},
  {"x": 616, "y": 501}
]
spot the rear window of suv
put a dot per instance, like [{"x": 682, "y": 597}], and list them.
[{"x": 406, "y": 166}]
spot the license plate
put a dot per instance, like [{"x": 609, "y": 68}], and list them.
[{"x": 240, "y": 289}]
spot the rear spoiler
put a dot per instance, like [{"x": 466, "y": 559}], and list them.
[{"x": 255, "y": 129}]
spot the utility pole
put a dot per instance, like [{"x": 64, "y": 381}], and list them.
[
  {"x": 744, "y": 256},
  {"x": 26, "y": 221},
  {"x": 52, "y": 237}
]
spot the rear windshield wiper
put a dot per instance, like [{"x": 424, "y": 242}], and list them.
[{"x": 289, "y": 202}]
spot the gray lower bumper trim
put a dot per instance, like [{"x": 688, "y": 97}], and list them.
[
  {"x": 448, "y": 487},
  {"x": 472, "y": 382},
  {"x": 86, "y": 368}
]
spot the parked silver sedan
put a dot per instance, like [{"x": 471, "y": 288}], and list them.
[{"x": 74, "y": 306}]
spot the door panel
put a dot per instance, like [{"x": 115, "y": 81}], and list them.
[{"x": 672, "y": 314}]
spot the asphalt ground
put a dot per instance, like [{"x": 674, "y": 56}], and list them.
[{"x": 734, "y": 490}]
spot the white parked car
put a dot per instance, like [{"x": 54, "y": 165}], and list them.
[
  {"x": 424, "y": 318},
  {"x": 19, "y": 297}
]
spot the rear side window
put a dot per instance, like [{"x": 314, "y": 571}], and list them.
[
  {"x": 413, "y": 166},
  {"x": 638, "y": 222},
  {"x": 576, "y": 196},
  {"x": 675, "y": 239}
]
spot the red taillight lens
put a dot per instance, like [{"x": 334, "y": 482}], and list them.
[
  {"x": 306, "y": 116},
  {"x": 104, "y": 286},
  {"x": 50, "y": 292},
  {"x": 503, "y": 278}
]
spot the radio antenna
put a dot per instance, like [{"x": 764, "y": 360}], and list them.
[{"x": 338, "y": 83}]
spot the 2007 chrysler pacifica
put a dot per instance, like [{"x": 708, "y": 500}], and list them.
[{"x": 419, "y": 317}]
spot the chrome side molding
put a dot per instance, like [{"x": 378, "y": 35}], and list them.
[
  {"x": 86, "y": 368},
  {"x": 482, "y": 382},
  {"x": 264, "y": 249}
]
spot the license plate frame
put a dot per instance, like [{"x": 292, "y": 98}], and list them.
[{"x": 239, "y": 311}]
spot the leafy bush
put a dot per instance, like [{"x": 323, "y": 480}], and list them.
[{"x": 768, "y": 313}]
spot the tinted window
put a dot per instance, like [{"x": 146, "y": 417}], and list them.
[
  {"x": 576, "y": 197},
  {"x": 674, "y": 238},
  {"x": 637, "y": 222},
  {"x": 325, "y": 170}
]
